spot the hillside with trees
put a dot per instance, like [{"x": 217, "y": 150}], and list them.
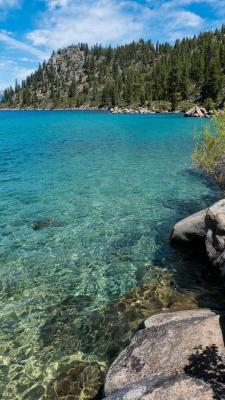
[{"x": 140, "y": 73}]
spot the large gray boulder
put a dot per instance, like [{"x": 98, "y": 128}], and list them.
[
  {"x": 166, "y": 388},
  {"x": 190, "y": 230},
  {"x": 191, "y": 343},
  {"x": 166, "y": 317},
  {"x": 215, "y": 235},
  {"x": 206, "y": 227}
]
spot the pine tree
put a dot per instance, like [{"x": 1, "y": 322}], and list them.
[
  {"x": 214, "y": 79},
  {"x": 72, "y": 89},
  {"x": 136, "y": 73}
]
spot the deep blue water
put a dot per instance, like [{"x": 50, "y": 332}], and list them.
[{"x": 107, "y": 189}]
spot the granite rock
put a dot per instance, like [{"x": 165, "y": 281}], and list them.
[
  {"x": 192, "y": 344},
  {"x": 199, "y": 112},
  {"x": 205, "y": 228},
  {"x": 165, "y": 388},
  {"x": 190, "y": 230}
]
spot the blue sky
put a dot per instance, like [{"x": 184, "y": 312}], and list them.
[{"x": 31, "y": 29}]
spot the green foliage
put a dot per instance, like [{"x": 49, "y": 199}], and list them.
[
  {"x": 139, "y": 73},
  {"x": 72, "y": 88},
  {"x": 211, "y": 145},
  {"x": 209, "y": 104}
]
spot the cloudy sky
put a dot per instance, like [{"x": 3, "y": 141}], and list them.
[{"x": 31, "y": 29}]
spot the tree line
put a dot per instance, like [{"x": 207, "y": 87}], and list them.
[{"x": 133, "y": 74}]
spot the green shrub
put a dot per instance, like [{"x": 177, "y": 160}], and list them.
[
  {"x": 209, "y": 104},
  {"x": 211, "y": 145}
]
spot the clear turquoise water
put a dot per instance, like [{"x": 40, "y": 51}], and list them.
[{"x": 111, "y": 187}]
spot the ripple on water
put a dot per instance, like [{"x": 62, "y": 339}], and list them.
[{"x": 87, "y": 201}]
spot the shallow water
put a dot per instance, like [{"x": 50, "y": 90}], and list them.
[{"x": 86, "y": 203}]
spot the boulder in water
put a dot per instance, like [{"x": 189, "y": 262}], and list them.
[
  {"x": 42, "y": 223},
  {"x": 190, "y": 230},
  {"x": 215, "y": 235},
  {"x": 207, "y": 227}
]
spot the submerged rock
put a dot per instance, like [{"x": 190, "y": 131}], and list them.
[
  {"x": 191, "y": 343},
  {"x": 79, "y": 380},
  {"x": 105, "y": 332},
  {"x": 42, "y": 223},
  {"x": 102, "y": 334},
  {"x": 166, "y": 388}
]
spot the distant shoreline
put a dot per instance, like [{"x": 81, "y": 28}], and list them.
[
  {"x": 196, "y": 111},
  {"x": 105, "y": 110}
]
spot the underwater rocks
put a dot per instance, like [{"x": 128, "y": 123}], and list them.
[
  {"x": 101, "y": 334},
  {"x": 79, "y": 380},
  {"x": 105, "y": 332},
  {"x": 42, "y": 223},
  {"x": 173, "y": 344},
  {"x": 207, "y": 226},
  {"x": 166, "y": 388}
]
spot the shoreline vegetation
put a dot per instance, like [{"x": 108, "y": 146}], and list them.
[{"x": 209, "y": 152}]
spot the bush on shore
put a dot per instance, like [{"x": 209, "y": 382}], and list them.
[{"x": 211, "y": 146}]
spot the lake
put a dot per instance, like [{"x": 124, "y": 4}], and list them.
[{"x": 87, "y": 201}]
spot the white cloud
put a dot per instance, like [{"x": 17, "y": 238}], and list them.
[
  {"x": 9, "y": 3},
  {"x": 90, "y": 21},
  {"x": 188, "y": 19},
  {"x": 114, "y": 21},
  {"x": 5, "y": 37},
  {"x": 11, "y": 70},
  {"x": 64, "y": 22},
  {"x": 52, "y": 4},
  {"x": 19, "y": 61}
]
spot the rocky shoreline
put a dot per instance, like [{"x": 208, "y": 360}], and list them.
[
  {"x": 179, "y": 355},
  {"x": 195, "y": 112},
  {"x": 111, "y": 110},
  {"x": 141, "y": 110},
  {"x": 55, "y": 109},
  {"x": 176, "y": 356}
]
